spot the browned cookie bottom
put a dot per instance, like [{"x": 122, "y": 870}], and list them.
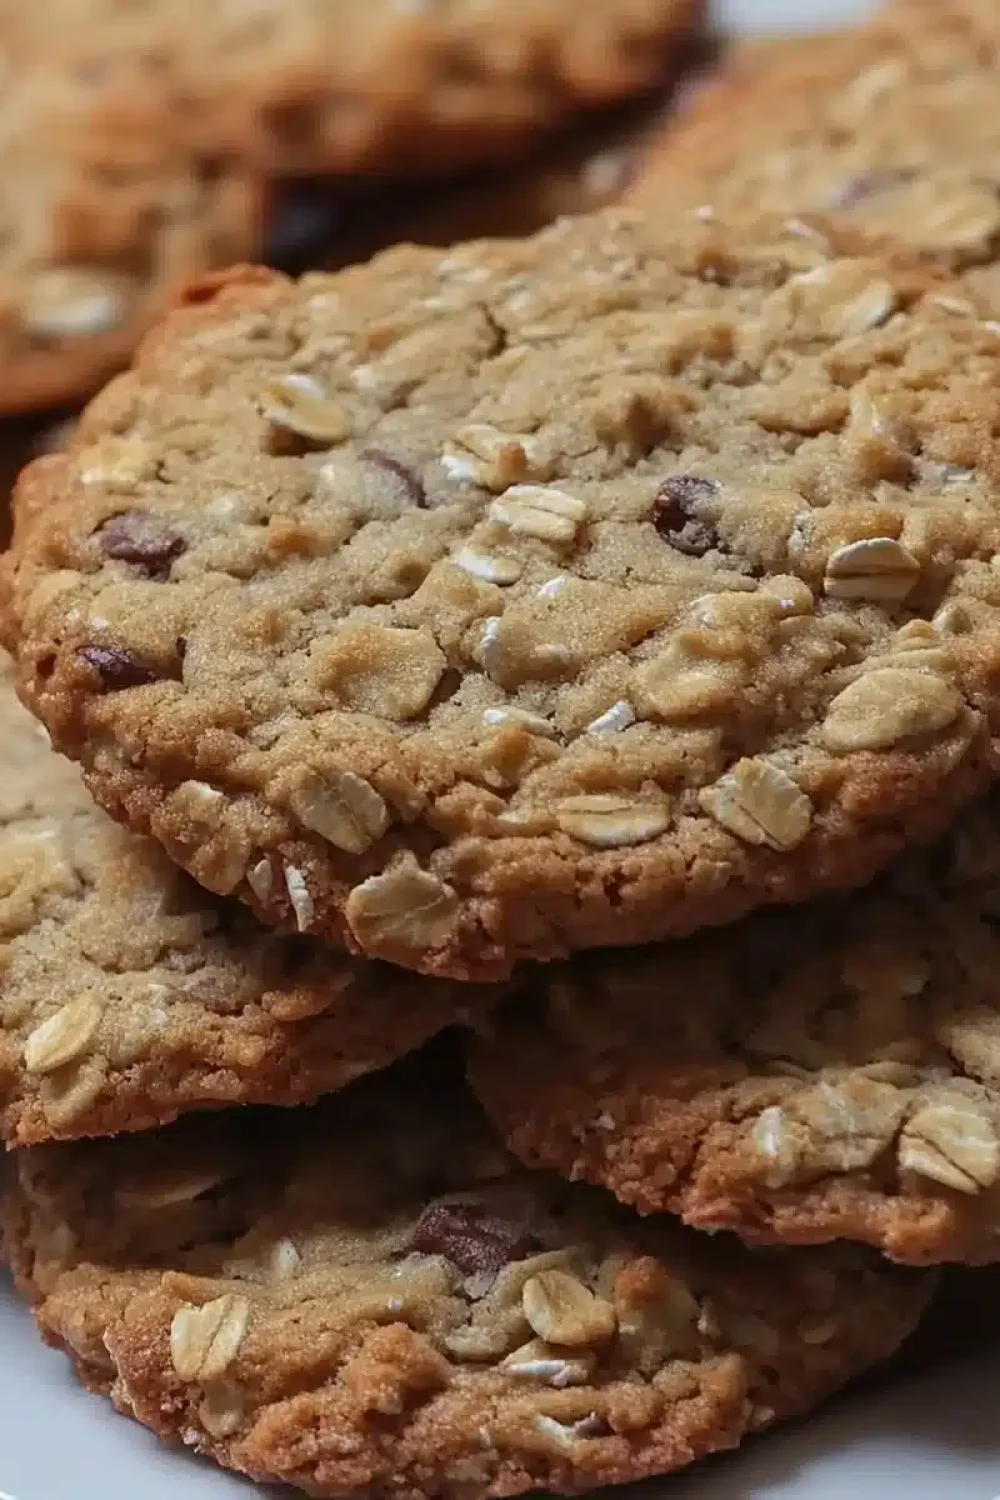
[{"x": 369, "y": 1298}]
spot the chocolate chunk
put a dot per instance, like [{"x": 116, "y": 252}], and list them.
[
  {"x": 117, "y": 667},
  {"x": 675, "y": 515},
  {"x": 463, "y": 1234},
  {"x": 137, "y": 538},
  {"x": 407, "y": 477}
]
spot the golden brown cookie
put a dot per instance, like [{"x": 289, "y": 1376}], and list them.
[
  {"x": 832, "y": 1073},
  {"x": 540, "y": 595},
  {"x": 370, "y": 1298},
  {"x": 104, "y": 212},
  {"x": 891, "y": 127},
  {"x": 128, "y": 996},
  {"x": 349, "y": 86}
]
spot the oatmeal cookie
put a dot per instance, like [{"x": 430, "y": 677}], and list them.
[
  {"x": 127, "y": 995},
  {"x": 541, "y": 595},
  {"x": 369, "y": 1298},
  {"x": 892, "y": 130},
  {"x": 832, "y": 1073},
  {"x": 103, "y": 213},
  {"x": 360, "y": 86}
]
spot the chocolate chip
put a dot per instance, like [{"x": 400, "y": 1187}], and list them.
[
  {"x": 137, "y": 538},
  {"x": 463, "y": 1234},
  {"x": 407, "y": 477},
  {"x": 117, "y": 667},
  {"x": 675, "y": 515}
]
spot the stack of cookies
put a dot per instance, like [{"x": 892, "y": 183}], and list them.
[{"x": 499, "y": 876}]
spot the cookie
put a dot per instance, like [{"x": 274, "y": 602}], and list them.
[
  {"x": 127, "y": 995},
  {"x": 370, "y": 1298},
  {"x": 890, "y": 128},
  {"x": 363, "y": 86},
  {"x": 543, "y": 595},
  {"x": 104, "y": 211},
  {"x": 832, "y": 1073}
]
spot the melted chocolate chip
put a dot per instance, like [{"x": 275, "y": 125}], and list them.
[
  {"x": 463, "y": 1234},
  {"x": 117, "y": 667},
  {"x": 675, "y": 515},
  {"x": 407, "y": 477},
  {"x": 137, "y": 538}
]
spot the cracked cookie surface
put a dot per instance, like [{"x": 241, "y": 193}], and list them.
[
  {"x": 127, "y": 995},
  {"x": 103, "y": 212},
  {"x": 541, "y": 595},
  {"x": 832, "y": 1073},
  {"x": 371, "y": 1298},
  {"x": 890, "y": 128},
  {"x": 349, "y": 86}
]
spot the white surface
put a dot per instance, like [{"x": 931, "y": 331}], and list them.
[
  {"x": 936, "y": 1437},
  {"x": 787, "y": 15}
]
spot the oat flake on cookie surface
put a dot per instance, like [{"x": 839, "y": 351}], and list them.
[
  {"x": 829, "y": 1073},
  {"x": 541, "y": 595},
  {"x": 370, "y": 1298},
  {"x": 128, "y": 995}
]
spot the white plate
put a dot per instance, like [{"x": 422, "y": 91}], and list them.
[{"x": 933, "y": 1436}]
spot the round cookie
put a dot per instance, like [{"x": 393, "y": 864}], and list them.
[
  {"x": 127, "y": 995},
  {"x": 369, "y": 1298},
  {"x": 892, "y": 130},
  {"x": 349, "y": 86},
  {"x": 543, "y": 595},
  {"x": 832, "y": 1073},
  {"x": 104, "y": 211}
]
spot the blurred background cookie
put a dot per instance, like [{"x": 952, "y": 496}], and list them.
[
  {"x": 335, "y": 223},
  {"x": 103, "y": 212},
  {"x": 892, "y": 128},
  {"x": 305, "y": 86}
]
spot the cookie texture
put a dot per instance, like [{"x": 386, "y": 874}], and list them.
[
  {"x": 546, "y": 594},
  {"x": 832, "y": 1073},
  {"x": 128, "y": 995},
  {"x": 293, "y": 86},
  {"x": 371, "y": 1298},
  {"x": 104, "y": 211},
  {"x": 891, "y": 128}
]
